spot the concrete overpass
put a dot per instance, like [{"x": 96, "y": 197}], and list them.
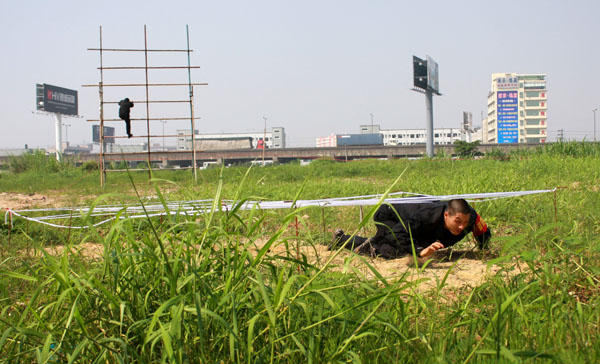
[{"x": 345, "y": 153}]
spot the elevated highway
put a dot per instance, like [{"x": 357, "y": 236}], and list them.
[{"x": 347, "y": 153}]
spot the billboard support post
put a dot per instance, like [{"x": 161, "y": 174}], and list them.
[
  {"x": 426, "y": 80},
  {"x": 58, "y": 133},
  {"x": 429, "y": 107}
]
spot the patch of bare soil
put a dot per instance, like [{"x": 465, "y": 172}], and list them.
[
  {"x": 464, "y": 269},
  {"x": 19, "y": 201},
  {"x": 86, "y": 250}
]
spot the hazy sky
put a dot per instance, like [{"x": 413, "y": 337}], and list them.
[{"x": 313, "y": 67}]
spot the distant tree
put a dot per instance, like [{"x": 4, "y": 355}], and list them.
[{"x": 466, "y": 149}]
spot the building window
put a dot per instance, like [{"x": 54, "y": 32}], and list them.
[
  {"x": 437, "y": 135},
  {"x": 532, "y": 103},
  {"x": 412, "y": 135},
  {"x": 520, "y": 94}
]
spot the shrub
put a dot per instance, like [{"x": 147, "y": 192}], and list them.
[
  {"x": 466, "y": 149},
  {"x": 37, "y": 161},
  {"x": 90, "y": 166}
]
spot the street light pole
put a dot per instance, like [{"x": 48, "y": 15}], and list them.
[
  {"x": 66, "y": 132},
  {"x": 371, "y": 123}
]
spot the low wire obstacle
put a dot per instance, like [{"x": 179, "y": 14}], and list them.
[{"x": 194, "y": 207}]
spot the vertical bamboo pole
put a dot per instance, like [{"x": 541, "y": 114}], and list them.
[
  {"x": 147, "y": 103},
  {"x": 191, "y": 89},
  {"x": 323, "y": 220},
  {"x": 101, "y": 92}
]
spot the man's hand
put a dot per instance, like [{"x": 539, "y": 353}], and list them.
[{"x": 431, "y": 249}]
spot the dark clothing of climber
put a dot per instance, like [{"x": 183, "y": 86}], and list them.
[
  {"x": 424, "y": 224},
  {"x": 124, "y": 107}
]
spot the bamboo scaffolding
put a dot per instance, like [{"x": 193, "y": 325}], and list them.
[
  {"x": 138, "y": 119},
  {"x": 150, "y": 136},
  {"x": 149, "y": 67},
  {"x": 144, "y": 84},
  {"x": 138, "y": 50},
  {"x": 150, "y": 101},
  {"x": 147, "y": 85}
]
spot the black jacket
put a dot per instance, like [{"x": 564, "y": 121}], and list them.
[
  {"x": 124, "y": 106},
  {"x": 423, "y": 222}
]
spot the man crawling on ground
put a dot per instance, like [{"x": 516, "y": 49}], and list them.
[{"x": 426, "y": 226}]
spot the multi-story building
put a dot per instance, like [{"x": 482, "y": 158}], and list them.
[
  {"x": 273, "y": 139},
  {"x": 441, "y": 136},
  {"x": 517, "y": 109}
]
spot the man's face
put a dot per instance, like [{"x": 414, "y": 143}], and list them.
[{"x": 456, "y": 223}]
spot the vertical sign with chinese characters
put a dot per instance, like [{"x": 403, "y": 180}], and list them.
[{"x": 508, "y": 115}]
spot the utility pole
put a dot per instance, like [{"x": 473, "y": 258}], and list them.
[{"x": 561, "y": 135}]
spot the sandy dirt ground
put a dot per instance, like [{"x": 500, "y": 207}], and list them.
[
  {"x": 462, "y": 269},
  {"x": 19, "y": 201}
]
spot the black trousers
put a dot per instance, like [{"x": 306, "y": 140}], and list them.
[
  {"x": 383, "y": 248},
  {"x": 127, "y": 125},
  {"x": 384, "y": 241}
]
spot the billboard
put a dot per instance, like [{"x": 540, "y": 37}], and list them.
[
  {"x": 56, "y": 99},
  {"x": 425, "y": 74},
  {"x": 507, "y": 82},
  {"x": 433, "y": 81},
  {"x": 359, "y": 139},
  {"x": 109, "y": 132},
  {"x": 508, "y": 111},
  {"x": 419, "y": 73}
]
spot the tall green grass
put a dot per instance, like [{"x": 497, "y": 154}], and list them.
[{"x": 208, "y": 288}]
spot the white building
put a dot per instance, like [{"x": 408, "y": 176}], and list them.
[
  {"x": 517, "y": 109},
  {"x": 327, "y": 141},
  {"x": 441, "y": 136},
  {"x": 273, "y": 139}
]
